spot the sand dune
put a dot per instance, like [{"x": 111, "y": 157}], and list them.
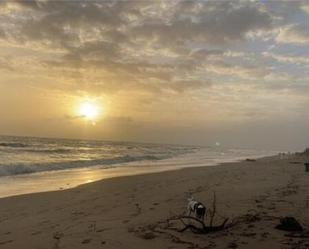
[{"x": 131, "y": 212}]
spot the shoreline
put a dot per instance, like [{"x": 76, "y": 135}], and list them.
[
  {"x": 131, "y": 211},
  {"x": 59, "y": 180}
]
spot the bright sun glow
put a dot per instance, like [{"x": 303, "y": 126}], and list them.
[{"x": 88, "y": 110}]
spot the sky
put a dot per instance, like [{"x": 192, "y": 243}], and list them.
[{"x": 185, "y": 72}]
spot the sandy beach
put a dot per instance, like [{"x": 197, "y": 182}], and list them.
[
  {"x": 118, "y": 115},
  {"x": 132, "y": 211}
]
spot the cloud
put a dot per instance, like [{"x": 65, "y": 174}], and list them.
[
  {"x": 156, "y": 64},
  {"x": 294, "y": 33},
  {"x": 305, "y": 7},
  {"x": 213, "y": 22},
  {"x": 288, "y": 58},
  {"x": 70, "y": 25},
  {"x": 150, "y": 46},
  {"x": 6, "y": 65},
  {"x": 241, "y": 71}
]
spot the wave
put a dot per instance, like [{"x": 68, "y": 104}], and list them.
[
  {"x": 13, "y": 145},
  {"x": 55, "y": 151},
  {"x": 24, "y": 155},
  {"x": 31, "y": 149},
  {"x": 18, "y": 169}
]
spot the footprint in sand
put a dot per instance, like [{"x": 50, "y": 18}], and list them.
[
  {"x": 138, "y": 210},
  {"x": 5, "y": 242},
  {"x": 243, "y": 242},
  {"x": 232, "y": 244},
  {"x": 36, "y": 233},
  {"x": 154, "y": 204},
  {"x": 265, "y": 234},
  {"x": 246, "y": 234},
  {"x": 86, "y": 241}
]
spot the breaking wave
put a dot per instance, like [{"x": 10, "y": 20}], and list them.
[
  {"x": 21, "y": 155},
  {"x": 13, "y": 145},
  {"x": 16, "y": 169}
]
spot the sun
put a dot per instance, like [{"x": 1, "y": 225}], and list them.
[{"x": 88, "y": 110}]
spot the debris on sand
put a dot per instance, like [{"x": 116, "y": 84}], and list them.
[{"x": 289, "y": 224}]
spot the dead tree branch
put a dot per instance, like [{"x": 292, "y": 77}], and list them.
[
  {"x": 202, "y": 228},
  {"x": 213, "y": 211}
]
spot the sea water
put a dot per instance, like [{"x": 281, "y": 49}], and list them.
[
  {"x": 24, "y": 155},
  {"x": 29, "y": 164}
]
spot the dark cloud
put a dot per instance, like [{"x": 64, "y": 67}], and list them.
[
  {"x": 65, "y": 22},
  {"x": 214, "y": 22},
  {"x": 150, "y": 45}
]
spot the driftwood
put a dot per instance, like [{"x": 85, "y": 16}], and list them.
[
  {"x": 214, "y": 210},
  {"x": 203, "y": 229},
  {"x": 251, "y": 216},
  {"x": 200, "y": 227}
]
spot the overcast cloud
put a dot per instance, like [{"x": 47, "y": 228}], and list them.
[{"x": 234, "y": 61}]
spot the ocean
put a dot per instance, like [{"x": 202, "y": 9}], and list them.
[
  {"x": 24, "y": 155},
  {"x": 29, "y": 164}
]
